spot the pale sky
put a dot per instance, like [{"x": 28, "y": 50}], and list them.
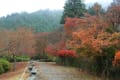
[{"x": 12, "y": 6}]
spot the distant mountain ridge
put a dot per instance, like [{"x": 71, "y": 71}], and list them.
[{"x": 40, "y": 21}]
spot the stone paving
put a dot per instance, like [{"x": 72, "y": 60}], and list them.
[{"x": 51, "y": 71}]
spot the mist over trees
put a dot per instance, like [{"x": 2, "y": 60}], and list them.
[{"x": 40, "y": 21}]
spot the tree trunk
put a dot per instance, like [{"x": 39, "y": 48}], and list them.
[{"x": 14, "y": 63}]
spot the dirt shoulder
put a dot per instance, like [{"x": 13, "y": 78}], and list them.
[{"x": 14, "y": 75}]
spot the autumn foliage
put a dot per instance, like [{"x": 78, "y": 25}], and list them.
[
  {"x": 17, "y": 42},
  {"x": 72, "y": 24},
  {"x": 113, "y": 15},
  {"x": 66, "y": 53},
  {"x": 92, "y": 34},
  {"x": 50, "y": 49},
  {"x": 116, "y": 61},
  {"x": 95, "y": 45}
]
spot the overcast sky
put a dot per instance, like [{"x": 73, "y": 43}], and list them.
[{"x": 11, "y": 6}]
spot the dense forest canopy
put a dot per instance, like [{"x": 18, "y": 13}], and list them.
[{"x": 40, "y": 21}]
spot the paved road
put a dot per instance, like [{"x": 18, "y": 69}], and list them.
[{"x": 51, "y": 71}]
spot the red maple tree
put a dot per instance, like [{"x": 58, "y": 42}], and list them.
[{"x": 66, "y": 53}]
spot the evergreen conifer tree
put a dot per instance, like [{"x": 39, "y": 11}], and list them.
[{"x": 73, "y": 8}]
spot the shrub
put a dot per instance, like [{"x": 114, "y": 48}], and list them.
[
  {"x": 66, "y": 57},
  {"x": 1, "y": 68},
  {"x": 4, "y": 65},
  {"x": 22, "y": 58},
  {"x": 66, "y": 53},
  {"x": 17, "y": 58}
]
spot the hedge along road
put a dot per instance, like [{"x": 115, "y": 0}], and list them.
[{"x": 52, "y": 71}]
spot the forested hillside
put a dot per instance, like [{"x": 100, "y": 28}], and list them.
[
  {"x": 87, "y": 39},
  {"x": 42, "y": 20}
]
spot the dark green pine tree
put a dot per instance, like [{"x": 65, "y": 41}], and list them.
[{"x": 73, "y": 8}]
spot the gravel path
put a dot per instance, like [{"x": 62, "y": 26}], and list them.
[{"x": 51, "y": 71}]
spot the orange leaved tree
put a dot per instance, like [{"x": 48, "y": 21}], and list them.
[{"x": 92, "y": 40}]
